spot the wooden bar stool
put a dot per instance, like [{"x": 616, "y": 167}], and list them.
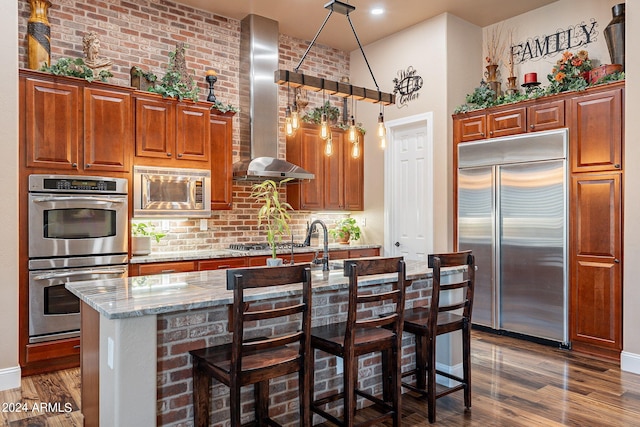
[
  {"x": 257, "y": 360},
  {"x": 426, "y": 323},
  {"x": 365, "y": 332}
]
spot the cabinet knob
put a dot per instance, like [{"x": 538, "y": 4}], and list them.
[
  {"x": 180, "y": 155},
  {"x": 397, "y": 244},
  {"x": 481, "y": 133},
  {"x": 617, "y": 166},
  {"x": 74, "y": 165},
  {"x": 532, "y": 126},
  {"x": 617, "y": 261},
  {"x": 490, "y": 132},
  {"x": 168, "y": 154},
  {"x": 87, "y": 166}
]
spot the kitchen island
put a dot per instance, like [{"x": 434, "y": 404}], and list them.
[{"x": 137, "y": 332}]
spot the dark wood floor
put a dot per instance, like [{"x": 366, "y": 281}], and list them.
[{"x": 515, "y": 383}]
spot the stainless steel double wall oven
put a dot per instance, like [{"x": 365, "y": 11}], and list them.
[{"x": 77, "y": 231}]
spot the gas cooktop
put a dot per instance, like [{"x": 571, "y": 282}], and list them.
[{"x": 262, "y": 246}]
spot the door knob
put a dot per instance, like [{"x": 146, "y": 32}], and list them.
[{"x": 397, "y": 244}]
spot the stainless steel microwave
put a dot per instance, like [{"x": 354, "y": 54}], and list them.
[{"x": 171, "y": 192}]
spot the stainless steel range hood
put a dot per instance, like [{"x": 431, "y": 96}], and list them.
[{"x": 259, "y": 105}]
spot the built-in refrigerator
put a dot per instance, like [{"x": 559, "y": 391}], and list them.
[{"x": 512, "y": 213}]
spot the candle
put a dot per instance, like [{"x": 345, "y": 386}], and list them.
[
  {"x": 211, "y": 73},
  {"x": 531, "y": 78}
]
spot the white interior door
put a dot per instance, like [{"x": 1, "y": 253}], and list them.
[{"x": 409, "y": 187}]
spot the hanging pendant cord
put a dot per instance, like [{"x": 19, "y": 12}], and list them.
[
  {"x": 314, "y": 40},
  {"x": 362, "y": 50}
]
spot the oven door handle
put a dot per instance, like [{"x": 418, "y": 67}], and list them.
[
  {"x": 78, "y": 273},
  {"x": 78, "y": 199}
]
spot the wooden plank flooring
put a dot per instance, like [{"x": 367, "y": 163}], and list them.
[{"x": 515, "y": 383}]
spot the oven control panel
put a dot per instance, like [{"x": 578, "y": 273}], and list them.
[{"x": 58, "y": 183}]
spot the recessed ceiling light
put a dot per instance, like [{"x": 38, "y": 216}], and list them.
[{"x": 377, "y": 11}]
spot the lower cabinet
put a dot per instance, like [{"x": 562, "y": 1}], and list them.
[
  {"x": 595, "y": 265},
  {"x": 222, "y": 263}
]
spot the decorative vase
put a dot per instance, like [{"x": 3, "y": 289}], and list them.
[
  {"x": 512, "y": 86},
  {"x": 39, "y": 34},
  {"x": 274, "y": 262},
  {"x": 496, "y": 87},
  {"x": 614, "y": 35},
  {"x": 492, "y": 73},
  {"x": 141, "y": 245},
  {"x": 139, "y": 81},
  {"x": 344, "y": 239}
]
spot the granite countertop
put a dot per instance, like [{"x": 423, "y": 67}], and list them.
[
  {"x": 229, "y": 253},
  {"x": 165, "y": 293}
]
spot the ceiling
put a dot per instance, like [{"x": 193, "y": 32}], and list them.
[{"x": 302, "y": 18}]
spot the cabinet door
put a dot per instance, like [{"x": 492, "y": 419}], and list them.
[
  {"x": 108, "y": 130},
  {"x": 508, "y": 122},
  {"x": 222, "y": 263},
  {"x": 312, "y": 159},
  {"x": 472, "y": 128},
  {"x": 221, "y": 162},
  {"x": 334, "y": 173},
  {"x": 596, "y": 132},
  {"x": 192, "y": 132},
  {"x": 546, "y": 116},
  {"x": 155, "y": 128},
  {"x": 165, "y": 267},
  {"x": 354, "y": 178},
  {"x": 53, "y": 124},
  {"x": 596, "y": 270},
  {"x": 363, "y": 253}
]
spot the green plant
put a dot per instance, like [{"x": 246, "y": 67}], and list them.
[
  {"x": 315, "y": 115},
  {"x": 344, "y": 226},
  {"x": 481, "y": 97},
  {"x": 177, "y": 82},
  {"x": 223, "y": 108},
  {"x": 273, "y": 214},
  {"x": 614, "y": 77},
  {"x": 147, "y": 75},
  {"x": 139, "y": 229},
  {"x": 75, "y": 68}
]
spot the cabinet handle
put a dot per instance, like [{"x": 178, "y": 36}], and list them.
[
  {"x": 224, "y": 266},
  {"x": 76, "y": 346},
  {"x": 74, "y": 165},
  {"x": 87, "y": 166},
  {"x": 481, "y": 133},
  {"x": 617, "y": 261},
  {"x": 168, "y": 154},
  {"x": 168, "y": 271},
  {"x": 490, "y": 132},
  {"x": 180, "y": 155},
  {"x": 617, "y": 166},
  {"x": 532, "y": 126}
]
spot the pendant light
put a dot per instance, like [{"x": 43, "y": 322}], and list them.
[
  {"x": 324, "y": 125},
  {"x": 295, "y": 117},
  {"x": 328, "y": 146},
  {"x": 288, "y": 120},
  {"x": 355, "y": 149},
  {"x": 353, "y": 131},
  {"x": 382, "y": 130}
]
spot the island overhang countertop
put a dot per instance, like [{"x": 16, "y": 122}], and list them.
[{"x": 166, "y": 293}]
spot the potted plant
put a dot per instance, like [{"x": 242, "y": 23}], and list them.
[
  {"x": 141, "y": 235},
  {"x": 273, "y": 214},
  {"x": 344, "y": 230}
]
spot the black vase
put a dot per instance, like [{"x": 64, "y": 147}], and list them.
[{"x": 614, "y": 35}]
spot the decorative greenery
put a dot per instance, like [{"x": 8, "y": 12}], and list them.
[
  {"x": 569, "y": 72},
  {"x": 148, "y": 75},
  {"x": 567, "y": 75},
  {"x": 139, "y": 229},
  {"x": 175, "y": 84},
  {"x": 75, "y": 68},
  {"x": 273, "y": 214},
  {"x": 223, "y": 108},
  {"x": 345, "y": 226},
  {"x": 315, "y": 116}
]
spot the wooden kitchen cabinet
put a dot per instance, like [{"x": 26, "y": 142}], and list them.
[
  {"x": 507, "y": 122},
  {"x": 221, "y": 127},
  {"x": 470, "y": 127},
  {"x": 68, "y": 125},
  {"x": 171, "y": 133},
  {"x": 596, "y": 271},
  {"x": 546, "y": 116},
  {"x": 596, "y": 131},
  {"x": 162, "y": 268},
  {"x": 222, "y": 263},
  {"x": 339, "y": 178}
]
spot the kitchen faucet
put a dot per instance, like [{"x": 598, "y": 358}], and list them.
[{"x": 307, "y": 242}]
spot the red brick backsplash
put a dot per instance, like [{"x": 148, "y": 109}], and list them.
[{"x": 143, "y": 32}]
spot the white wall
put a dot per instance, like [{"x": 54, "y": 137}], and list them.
[
  {"x": 9, "y": 369},
  {"x": 445, "y": 51}
]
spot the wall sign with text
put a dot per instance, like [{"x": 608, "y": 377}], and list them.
[
  {"x": 406, "y": 86},
  {"x": 539, "y": 47}
]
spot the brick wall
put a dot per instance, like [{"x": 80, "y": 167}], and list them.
[
  {"x": 180, "y": 332},
  {"x": 143, "y": 32}
]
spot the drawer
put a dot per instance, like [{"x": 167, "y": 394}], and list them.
[{"x": 222, "y": 263}]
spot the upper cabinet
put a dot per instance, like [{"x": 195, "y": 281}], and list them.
[
  {"x": 70, "y": 126},
  {"x": 596, "y": 131},
  {"x": 221, "y": 128},
  {"x": 528, "y": 116},
  {"x": 171, "y": 133},
  {"x": 339, "y": 178}
]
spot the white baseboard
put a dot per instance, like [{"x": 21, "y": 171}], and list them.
[
  {"x": 10, "y": 378},
  {"x": 630, "y": 362}
]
